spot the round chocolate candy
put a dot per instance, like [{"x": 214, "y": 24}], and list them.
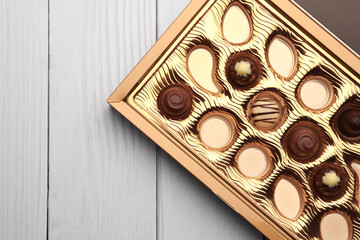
[
  {"x": 304, "y": 142},
  {"x": 267, "y": 111},
  {"x": 243, "y": 70},
  {"x": 349, "y": 123},
  {"x": 316, "y": 93},
  {"x": 217, "y": 130},
  {"x": 329, "y": 181},
  {"x": 175, "y": 101}
]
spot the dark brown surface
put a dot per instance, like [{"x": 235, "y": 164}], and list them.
[
  {"x": 175, "y": 101},
  {"x": 322, "y": 190},
  {"x": 243, "y": 82},
  {"x": 340, "y": 17}
]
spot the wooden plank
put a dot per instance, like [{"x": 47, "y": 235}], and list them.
[
  {"x": 102, "y": 169},
  {"x": 186, "y": 208},
  {"x": 23, "y": 119},
  {"x": 189, "y": 210}
]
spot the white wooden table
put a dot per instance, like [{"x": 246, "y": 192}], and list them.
[{"x": 71, "y": 168}]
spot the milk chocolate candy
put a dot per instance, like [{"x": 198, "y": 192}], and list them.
[{"x": 175, "y": 101}]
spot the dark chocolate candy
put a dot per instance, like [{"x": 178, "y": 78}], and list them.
[
  {"x": 323, "y": 190},
  {"x": 175, "y": 101},
  {"x": 349, "y": 123},
  {"x": 245, "y": 80}
]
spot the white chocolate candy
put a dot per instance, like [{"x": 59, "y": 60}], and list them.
[
  {"x": 316, "y": 93},
  {"x": 253, "y": 162},
  {"x": 334, "y": 226},
  {"x": 216, "y": 131},
  {"x": 287, "y": 199},
  {"x": 331, "y": 179},
  {"x": 201, "y": 65},
  {"x": 265, "y": 113},
  {"x": 282, "y": 57},
  {"x": 243, "y": 68},
  {"x": 236, "y": 25}
]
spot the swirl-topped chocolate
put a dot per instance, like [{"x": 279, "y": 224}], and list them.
[
  {"x": 304, "y": 142},
  {"x": 175, "y": 101},
  {"x": 243, "y": 70}
]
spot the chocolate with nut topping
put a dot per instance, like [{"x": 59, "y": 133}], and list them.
[
  {"x": 329, "y": 181},
  {"x": 243, "y": 70}
]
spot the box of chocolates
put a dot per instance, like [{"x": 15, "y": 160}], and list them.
[{"x": 262, "y": 104}]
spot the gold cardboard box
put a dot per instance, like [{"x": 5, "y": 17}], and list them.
[{"x": 166, "y": 63}]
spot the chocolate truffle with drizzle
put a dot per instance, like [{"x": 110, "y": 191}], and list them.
[
  {"x": 267, "y": 111},
  {"x": 243, "y": 70}
]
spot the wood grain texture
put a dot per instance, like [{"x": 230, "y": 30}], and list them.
[
  {"x": 23, "y": 119},
  {"x": 104, "y": 183},
  {"x": 102, "y": 169},
  {"x": 187, "y": 209}
]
